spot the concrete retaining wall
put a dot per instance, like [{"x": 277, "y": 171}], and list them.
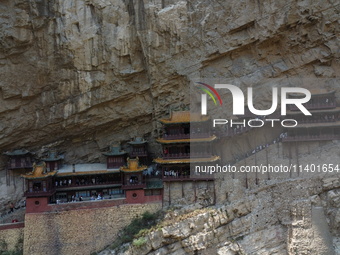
[
  {"x": 11, "y": 236},
  {"x": 81, "y": 231}
]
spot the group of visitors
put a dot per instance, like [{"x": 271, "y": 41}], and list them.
[{"x": 83, "y": 181}]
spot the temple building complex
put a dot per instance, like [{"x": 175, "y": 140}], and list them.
[
  {"x": 122, "y": 177},
  {"x": 322, "y": 125},
  {"x": 126, "y": 175},
  {"x": 139, "y": 149},
  {"x": 186, "y": 140}
]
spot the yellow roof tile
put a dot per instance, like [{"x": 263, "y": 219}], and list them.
[
  {"x": 39, "y": 171},
  {"x": 133, "y": 166},
  {"x": 85, "y": 173},
  {"x": 186, "y": 160}
]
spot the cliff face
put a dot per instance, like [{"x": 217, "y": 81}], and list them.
[
  {"x": 293, "y": 214},
  {"x": 79, "y": 74},
  {"x": 261, "y": 223}
]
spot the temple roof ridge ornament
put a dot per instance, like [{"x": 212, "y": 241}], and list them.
[
  {"x": 133, "y": 166},
  {"x": 38, "y": 172}
]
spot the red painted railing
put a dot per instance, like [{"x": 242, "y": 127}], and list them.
[
  {"x": 134, "y": 186},
  {"x": 73, "y": 185},
  {"x": 185, "y": 155}
]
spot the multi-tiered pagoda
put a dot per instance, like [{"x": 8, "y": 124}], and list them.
[
  {"x": 39, "y": 188},
  {"x": 186, "y": 140},
  {"x": 322, "y": 125},
  {"x": 138, "y": 148}
]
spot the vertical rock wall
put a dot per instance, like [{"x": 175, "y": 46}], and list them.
[{"x": 78, "y": 75}]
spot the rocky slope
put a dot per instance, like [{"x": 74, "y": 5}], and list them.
[
  {"x": 283, "y": 215},
  {"x": 258, "y": 224}
]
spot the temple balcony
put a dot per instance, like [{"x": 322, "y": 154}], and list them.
[
  {"x": 176, "y": 136},
  {"x": 19, "y": 165},
  {"x": 74, "y": 186},
  {"x": 115, "y": 165},
  {"x": 134, "y": 186},
  {"x": 200, "y": 135},
  {"x": 135, "y": 154},
  {"x": 186, "y": 155},
  {"x": 176, "y": 155},
  {"x": 39, "y": 193}
]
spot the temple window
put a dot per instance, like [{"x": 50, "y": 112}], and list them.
[
  {"x": 133, "y": 179},
  {"x": 37, "y": 186}
]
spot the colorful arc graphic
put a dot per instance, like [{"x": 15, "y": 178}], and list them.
[{"x": 209, "y": 93}]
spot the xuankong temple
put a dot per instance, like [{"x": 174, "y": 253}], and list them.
[
  {"x": 132, "y": 176},
  {"x": 128, "y": 177}
]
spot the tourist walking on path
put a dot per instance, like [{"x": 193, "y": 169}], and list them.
[{"x": 11, "y": 207}]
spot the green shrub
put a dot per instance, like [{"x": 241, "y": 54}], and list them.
[
  {"x": 147, "y": 216},
  {"x": 139, "y": 242},
  {"x": 137, "y": 229}
]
